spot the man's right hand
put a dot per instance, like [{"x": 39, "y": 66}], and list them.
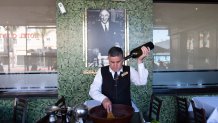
[
  {"x": 145, "y": 53},
  {"x": 107, "y": 104}
]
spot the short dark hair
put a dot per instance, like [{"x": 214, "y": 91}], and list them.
[{"x": 115, "y": 51}]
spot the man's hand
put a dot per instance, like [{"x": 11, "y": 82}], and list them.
[
  {"x": 145, "y": 52},
  {"x": 107, "y": 104}
]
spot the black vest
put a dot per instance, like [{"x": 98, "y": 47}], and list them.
[{"x": 118, "y": 91}]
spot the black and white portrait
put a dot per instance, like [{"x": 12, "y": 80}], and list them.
[{"x": 105, "y": 28}]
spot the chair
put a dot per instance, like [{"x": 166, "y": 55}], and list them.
[
  {"x": 20, "y": 110},
  {"x": 154, "y": 109},
  {"x": 61, "y": 102},
  {"x": 182, "y": 110},
  {"x": 199, "y": 113}
]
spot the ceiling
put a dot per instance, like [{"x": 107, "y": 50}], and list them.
[
  {"x": 27, "y": 12},
  {"x": 184, "y": 14}
]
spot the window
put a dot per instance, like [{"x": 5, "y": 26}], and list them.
[
  {"x": 162, "y": 49},
  {"x": 28, "y": 50},
  {"x": 186, "y": 52}
]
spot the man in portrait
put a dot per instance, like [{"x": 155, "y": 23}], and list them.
[{"x": 105, "y": 30}]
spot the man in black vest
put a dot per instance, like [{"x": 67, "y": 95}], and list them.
[{"x": 111, "y": 84}]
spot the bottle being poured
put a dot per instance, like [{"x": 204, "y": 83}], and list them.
[{"x": 135, "y": 53}]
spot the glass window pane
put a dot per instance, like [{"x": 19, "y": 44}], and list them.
[{"x": 28, "y": 49}]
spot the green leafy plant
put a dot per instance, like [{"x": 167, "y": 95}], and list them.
[{"x": 155, "y": 121}]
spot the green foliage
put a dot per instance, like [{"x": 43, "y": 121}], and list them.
[{"x": 154, "y": 121}]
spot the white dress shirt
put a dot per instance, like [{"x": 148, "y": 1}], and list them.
[
  {"x": 136, "y": 77},
  {"x": 107, "y": 26}
]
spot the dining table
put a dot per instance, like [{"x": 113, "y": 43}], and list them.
[
  {"x": 136, "y": 118},
  {"x": 209, "y": 104}
]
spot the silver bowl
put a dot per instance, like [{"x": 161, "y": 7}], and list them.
[{"x": 80, "y": 111}]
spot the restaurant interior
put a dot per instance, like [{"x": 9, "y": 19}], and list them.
[{"x": 45, "y": 73}]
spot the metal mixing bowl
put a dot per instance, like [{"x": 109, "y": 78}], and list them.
[{"x": 80, "y": 111}]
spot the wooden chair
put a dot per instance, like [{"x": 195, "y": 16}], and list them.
[
  {"x": 61, "y": 102},
  {"x": 199, "y": 114},
  {"x": 154, "y": 109},
  {"x": 20, "y": 110},
  {"x": 182, "y": 110}
]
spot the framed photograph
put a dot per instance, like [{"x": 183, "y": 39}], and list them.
[
  {"x": 105, "y": 28},
  {"x": 118, "y": 0}
]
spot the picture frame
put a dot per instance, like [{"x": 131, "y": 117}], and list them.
[
  {"x": 104, "y": 28},
  {"x": 119, "y": 0}
]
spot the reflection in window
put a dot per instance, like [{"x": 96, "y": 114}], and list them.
[
  {"x": 193, "y": 34},
  {"x": 193, "y": 66},
  {"x": 28, "y": 45},
  {"x": 28, "y": 48},
  {"x": 190, "y": 45},
  {"x": 204, "y": 39},
  {"x": 161, "y": 41}
]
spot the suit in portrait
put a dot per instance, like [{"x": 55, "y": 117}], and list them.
[{"x": 102, "y": 36}]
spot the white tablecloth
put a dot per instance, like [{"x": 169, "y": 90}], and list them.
[
  {"x": 213, "y": 117},
  {"x": 210, "y": 104}
]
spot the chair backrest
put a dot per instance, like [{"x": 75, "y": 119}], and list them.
[
  {"x": 182, "y": 110},
  {"x": 20, "y": 110},
  {"x": 61, "y": 102},
  {"x": 199, "y": 114},
  {"x": 154, "y": 110}
]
